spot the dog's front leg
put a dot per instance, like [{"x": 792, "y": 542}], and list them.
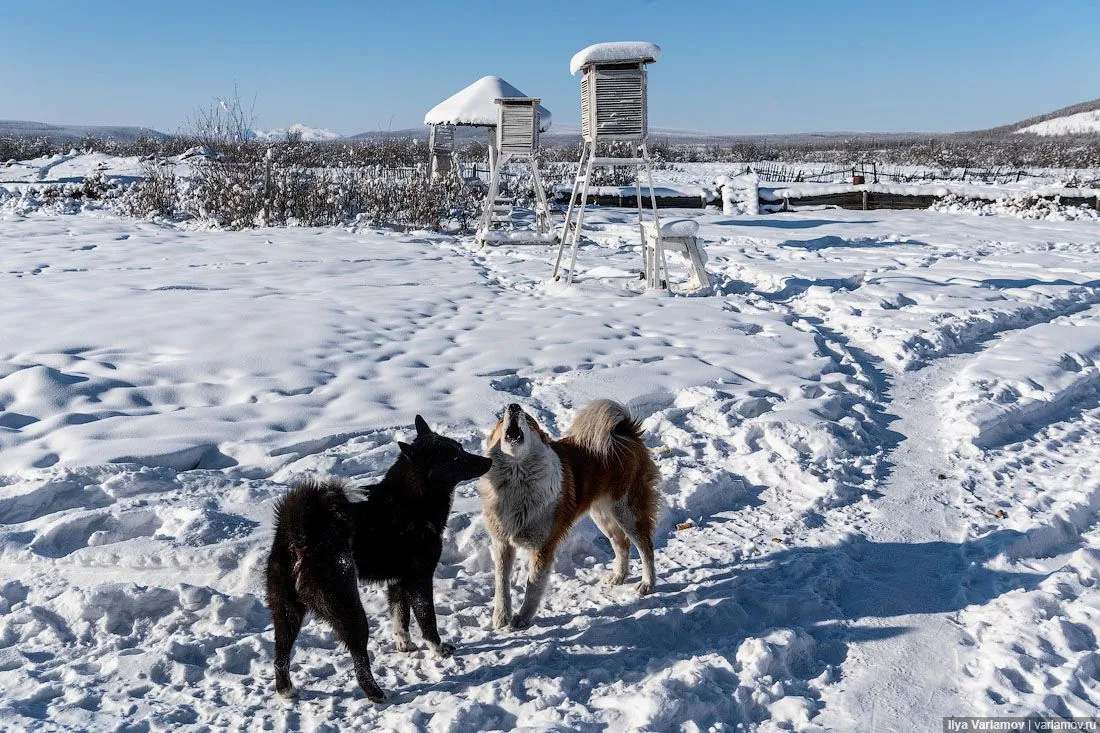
[
  {"x": 419, "y": 593},
  {"x": 399, "y": 616},
  {"x": 538, "y": 577},
  {"x": 504, "y": 553}
]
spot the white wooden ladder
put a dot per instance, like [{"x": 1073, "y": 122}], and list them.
[{"x": 497, "y": 216}]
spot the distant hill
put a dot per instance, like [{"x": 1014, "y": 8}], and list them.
[
  {"x": 412, "y": 132},
  {"x": 75, "y": 133},
  {"x": 1077, "y": 118},
  {"x": 310, "y": 134}
]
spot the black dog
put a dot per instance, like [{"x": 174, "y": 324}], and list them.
[{"x": 323, "y": 542}]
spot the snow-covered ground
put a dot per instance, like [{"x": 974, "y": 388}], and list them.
[
  {"x": 878, "y": 442},
  {"x": 71, "y": 167}
]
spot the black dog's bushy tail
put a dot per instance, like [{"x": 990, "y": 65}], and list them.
[{"x": 313, "y": 523}]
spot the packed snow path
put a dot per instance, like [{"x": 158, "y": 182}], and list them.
[
  {"x": 918, "y": 581},
  {"x": 878, "y": 443}
]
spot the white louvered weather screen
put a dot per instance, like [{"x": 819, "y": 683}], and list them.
[
  {"x": 519, "y": 126},
  {"x": 443, "y": 138},
  {"x": 618, "y": 111}
]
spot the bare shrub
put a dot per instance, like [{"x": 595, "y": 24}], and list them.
[
  {"x": 226, "y": 121},
  {"x": 156, "y": 194}
]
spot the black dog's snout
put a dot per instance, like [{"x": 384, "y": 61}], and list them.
[{"x": 514, "y": 408}]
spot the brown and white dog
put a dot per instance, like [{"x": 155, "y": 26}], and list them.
[{"x": 539, "y": 488}]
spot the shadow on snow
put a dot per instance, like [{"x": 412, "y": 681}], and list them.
[{"x": 830, "y": 592}]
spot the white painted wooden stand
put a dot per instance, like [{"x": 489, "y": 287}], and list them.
[
  {"x": 473, "y": 106},
  {"x": 516, "y": 141},
  {"x": 614, "y": 108}
]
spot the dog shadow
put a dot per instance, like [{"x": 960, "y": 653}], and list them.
[{"x": 826, "y": 591}]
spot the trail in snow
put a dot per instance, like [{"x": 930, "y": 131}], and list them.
[
  {"x": 951, "y": 558},
  {"x": 921, "y": 577}
]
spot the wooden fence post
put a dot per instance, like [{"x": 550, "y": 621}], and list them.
[{"x": 865, "y": 200}]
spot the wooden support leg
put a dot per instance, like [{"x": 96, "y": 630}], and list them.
[
  {"x": 490, "y": 202},
  {"x": 659, "y": 279},
  {"x": 695, "y": 256},
  {"x": 647, "y": 266},
  {"x": 542, "y": 208},
  {"x": 569, "y": 211},
  {"x": 580, "y": 218}
]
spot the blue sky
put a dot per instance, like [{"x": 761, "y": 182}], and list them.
[{"x": 738, "y": 67}]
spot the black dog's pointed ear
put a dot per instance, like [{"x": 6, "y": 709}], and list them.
[
  {"x": 407, "y": 450},
  {"x": 422, "y": 427}
]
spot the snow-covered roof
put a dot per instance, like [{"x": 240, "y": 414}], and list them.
[
  {"x": 476, "y": 105},
  {"x": 613, "y": 52}
]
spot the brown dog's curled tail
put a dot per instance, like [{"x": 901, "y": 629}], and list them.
[{"x": 604, "y": 425}]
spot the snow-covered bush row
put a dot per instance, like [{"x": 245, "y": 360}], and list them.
[
  {"x": 388, "y": 152},
  {"x": 1024, "y": 206},
  {"x": 942, "y": 151},
  {"x": 64, "y": 198},
  {"x": 240, "y": 194},
  {"x": 955, "y": 151},
  {"x": 239, "y": 197}
]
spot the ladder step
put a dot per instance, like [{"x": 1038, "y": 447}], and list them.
[{"x": 618, "y": 162}]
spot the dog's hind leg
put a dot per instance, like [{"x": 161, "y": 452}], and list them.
[
  {"x": 338, "y": 602},
  {"x": 604, "y": 517},
  {"x": 639, "y": 528},
  {"x": 419, "y": 593},
  {"x": 287, "y": 615},
  {"x": 644, "y": 543},
  {"x": 399, "y": 615},
  {"x": 504, "y": 553}
]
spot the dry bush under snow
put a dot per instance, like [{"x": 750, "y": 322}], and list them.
[
  {"x": 1024, "y": 206},
  {"x": 238, "y": 194}
]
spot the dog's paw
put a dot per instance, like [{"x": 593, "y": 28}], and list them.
[
  {"x": 520, "y": 622},
  {"x": 444, "y": 649},
  {"x": 404, "y": 644},
  {"x": 501, "y": 619},
  {"x": 290, "y": 692},
  {"x": 615, "y": 578},
  {"x": 374, "y": 694},
  {"x": 644, "y": 588}
]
